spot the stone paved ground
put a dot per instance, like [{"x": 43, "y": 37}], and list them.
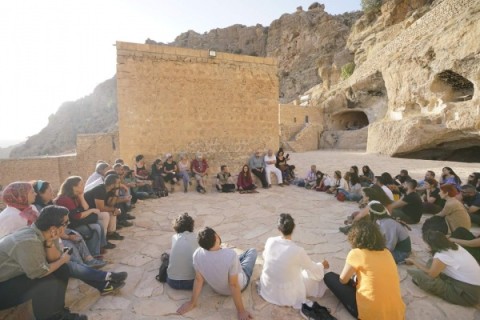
[{"x": 245, "y": 221}]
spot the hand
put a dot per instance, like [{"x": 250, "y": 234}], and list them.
[
  {"x": 95, "y": 210},
  {"x": 409, "y": 261},
  {"x": 244, "y": 315},
  {"x": 187, "y": 306},
  {"x": 65, "y": 257},
  {"x": 116, "y": 212},
  {"x": 75, "y": 237}
]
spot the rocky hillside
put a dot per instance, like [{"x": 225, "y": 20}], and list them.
[{"x": 94, "y": 113}]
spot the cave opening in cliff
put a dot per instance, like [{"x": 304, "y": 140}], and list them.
[
  {"x": 466, "y": 150},
  {"x": 452, "y": 87},
  {"x": 349, "y": 120}
]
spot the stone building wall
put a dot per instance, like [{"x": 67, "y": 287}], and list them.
[
  {"x": 173, "y": 100},
  {"x": 90, "y": 148},
  {"x": 300, "y": 127}
]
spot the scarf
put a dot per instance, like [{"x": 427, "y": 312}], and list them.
[{"x": 16, "y": 195}]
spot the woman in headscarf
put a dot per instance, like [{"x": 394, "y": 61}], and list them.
[{"x": 19, "y": 197}]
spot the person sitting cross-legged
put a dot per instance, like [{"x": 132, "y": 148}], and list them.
[
  {"x": 410, "y": 208},
  {"x": 226, "y": 273},
  {"x": 245, "y": 182},
  {"x": 200, "y": 170},
  {"x": 224, "y": 180},
  {"x": 289, "y": 276}
]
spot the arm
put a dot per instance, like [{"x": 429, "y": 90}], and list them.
[
  {"x": 435, "y": 269},
  {"x": 398, "y": 204},
  {"x": 197, "y": 289},
  {"x": 100, "y": 204},
  {"x": 237, "y": 298},
  {"x": 472, "y": 209},
  {"x": 347, "y": 273},
  {"x": 467, "y": 243}
]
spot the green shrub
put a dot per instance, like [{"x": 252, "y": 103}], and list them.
[
  {"x": 371, "y": 5},
  {"x": 347, "y": 70}
]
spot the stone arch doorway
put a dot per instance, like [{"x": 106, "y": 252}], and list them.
[
  {"x": 349, "y": 120},
  {"x": 452, "y": 87}
]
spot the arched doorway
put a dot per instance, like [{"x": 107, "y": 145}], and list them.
[{"x": 452, "y": 87}]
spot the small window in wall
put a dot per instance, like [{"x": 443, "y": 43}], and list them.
[
  {"x": 452, "y": 87},
  {"x": 306, "y": 119},
  {"x": 294, "y": 120}
]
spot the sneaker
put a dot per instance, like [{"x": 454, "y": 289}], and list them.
[
  {"x": 109, "y": 245},
  {"x": 308, "y": 313},
  {"x": 114, "y": 236},
  {"x": 324, "y": 312},
  {"x": 124, "y": 223},
  {"x": 119, "y": 226},
  {"x": 130, "y": 217},
  {"x": 111, "y": 287},
  {"x": 96, "y": 264},
  {"x": 118, "y": 276}
]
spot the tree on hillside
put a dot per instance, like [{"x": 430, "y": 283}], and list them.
[{"x": 371, "y": 5}]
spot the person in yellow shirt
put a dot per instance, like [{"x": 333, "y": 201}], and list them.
[{"x": 375, "y": 291}]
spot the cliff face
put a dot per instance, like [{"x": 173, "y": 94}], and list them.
[{"x": 94, "y": 113}]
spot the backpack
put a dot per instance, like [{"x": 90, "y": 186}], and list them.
[{"x": 162, "y": 271}]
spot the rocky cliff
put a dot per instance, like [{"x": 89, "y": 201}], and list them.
[{"x": 94, "y": 113}]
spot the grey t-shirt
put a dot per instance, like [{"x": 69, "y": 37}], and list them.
[
  {"x": 180, "y": 266},
  {"x": 217, "y": 266},
  {"x": 395, "y": 235}
]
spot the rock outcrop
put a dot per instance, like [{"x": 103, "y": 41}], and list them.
[{"x": 94, "y": 113}]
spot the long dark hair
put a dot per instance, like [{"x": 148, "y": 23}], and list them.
[
  {"x": 66, "y": 189},
  {"x": 40, "y": 187},
  {"x": 438, "y": 242},
  {"x": 247, "y": 174},
  {"x": 387, "y": 178},
  {"x": 366, "y": 235},
  {"x": 457, "y": 178},
  {"x": 376, "y": 193}
]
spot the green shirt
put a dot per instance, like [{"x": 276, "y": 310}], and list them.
[{"x": 23, "y": 252}]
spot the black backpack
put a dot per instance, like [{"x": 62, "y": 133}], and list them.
[{"x": 162, "y": 271}]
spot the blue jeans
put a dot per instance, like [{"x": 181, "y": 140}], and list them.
[
  {"x": 399, "y": 256},
  {"x": 97, "y": 240},
  {"x": 185, "y": 177},
  {"x": 350, "y": 196},
  {"x": 92, "y": 277},
  {"x": 180, "y": 284},
  {"x": 247, "y": 261}
]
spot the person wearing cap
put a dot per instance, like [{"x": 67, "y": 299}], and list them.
[
  {"x": 170, "y": 171},
  {"x": 454, "y": 212},
  {"x": 200, "y": 170},
  {"x": 97, "y": 177},
  {"x": 396, "y": 235}
]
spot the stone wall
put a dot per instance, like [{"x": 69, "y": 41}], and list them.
[
  {"x": 173, "y": 100},
  {"x": 90, "y": 148},
  {"x": 296, "y": 133}
]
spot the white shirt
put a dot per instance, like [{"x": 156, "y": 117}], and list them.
[
  {"x": 461, "y": 265},
  {"x": 10, "y": 220},
  {"x": 270, "y": 158},
  {"x": 388, "y": 192},
  {"x": 288, "y": 274}
]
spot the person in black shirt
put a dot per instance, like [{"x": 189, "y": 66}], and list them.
[{"x": 408, "y": 209}]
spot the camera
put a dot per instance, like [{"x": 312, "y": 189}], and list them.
[{"x": 68, "y": 250}]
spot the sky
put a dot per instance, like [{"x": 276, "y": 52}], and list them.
[{"x": 54, "y": 51}]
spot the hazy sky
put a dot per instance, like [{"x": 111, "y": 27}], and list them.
[{"x": 54, "y": 51}]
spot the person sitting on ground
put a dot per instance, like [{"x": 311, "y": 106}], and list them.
[
  {"x": 124, "y": 191},
  {"x": 282, "y": 165},
  {"x": 20, "y": 211},
  {"x": 245, "y": 181},
  {"x": 337, "y": 182},
  {"x": 452, "y": 274},
  {"x": 353, "y": 170},
  {"x": 471, "y": 201},
  {"x": 115, "y": 200},
  {"x": 184, "y": 170},
  {"x": 390, "y": 183},
  {"x": 408, "y": 209},
  {"x": 432, "y": 202},
  {"x": 474, "y": 180},
  {"x": 142, "y": 176},
  {"x": 379, "y": 181},
  {"x": 396, "y": 235},
  {"x": 225, "y": 181},
  {"x": 220, "y": 267},
  {"x": 367, "y": 176},
  {"x": 319, "y": 183},
  {"x": 157, "y": 174},
  {"x": 310, "y": 179},
  {"x": 454, "y": 212},
  {"x": 170, "y": 171},
  {"x": 70, "y": 238},
  {"x": 421, "y": 183},
  {"x": 289, "y": 276},
  {"x": 375, "y": 293},
  {"x": 200, "y": 170},
  {"x": 257, "y": 165},
  {"x": 270, "y": 161},
  {"x": 180, "y": 272},
  {"x": 450, "y": 177},
  {"x": 91, "y": 223},
  {"x": 130, "y": 181},
  {"x": 354, "y": 191},
  {"x": 97, "y": 198},
  {"x": 97, "y": 177},
  {"x": 28, "y": 271}
]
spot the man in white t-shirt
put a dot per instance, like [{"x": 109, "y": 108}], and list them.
[
  {"x": 224, "y": 271},
  {"x": 270, "y": 161}
]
